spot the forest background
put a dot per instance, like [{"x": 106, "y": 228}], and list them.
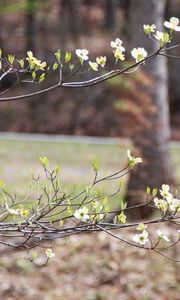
[{"x": 115, "y": 108}]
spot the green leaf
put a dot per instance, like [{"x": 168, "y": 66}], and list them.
[
  {"x": 67, "y": 56},
  {"x": 34, "y": 255},
  {"x": 95, "y": 164},
  {"x": 55, "y": 66},
  {"x": 10, "y": 58},
  {"x": 120, "y": 183},
  {"x": 122, "y": 218},
  {"x": 99, "y": 192},
  {"x": 21, "y": 63},
  {"x": 166, "y": 37},
  {"x": 123, "y": 204},
  {"x": 44, "y": 160},
  {"x": 57, "y": 169},
  {"x": 1, "y": 183},
  {"x": 89, "y": 190},
  {"x": 148, "y": 190},
  {"x": 61, "y": 223},
  {"x": 42, "y": 77},
  {"x": 106, "y": 209},
  {"x": 33, "y": 75},
  {"x": 58, "y": 55},
  {"x": 31, "y": 65},
  {"x": 70, "y": 210},
  {"x": 105, "y": 200},
  {"x": 154, "y": 192}
]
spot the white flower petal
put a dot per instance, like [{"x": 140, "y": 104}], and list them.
[{"x": 161, "y": 235}]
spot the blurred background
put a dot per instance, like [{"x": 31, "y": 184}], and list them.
[
  {"x": 141, "y": 108},
  {"x": 44, "y": 26}
]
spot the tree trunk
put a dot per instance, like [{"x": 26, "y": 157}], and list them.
[
  {"x": 2, "y": 4},
  {"x": 110, "y": 14},
  {"x": 152, "y": 139},
  {"x": 70, "y": 22},
  {"x": 30, "y": 25},
  {"x": 173, "y": 9}
]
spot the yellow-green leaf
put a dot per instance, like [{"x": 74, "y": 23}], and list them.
[
  {"x": 42, "y": 77},
  {"x": 21, "y": 63},
  {"x": 44, "y": 160},
  {"x": 95, "y": 164},
  {"x": 58, "y": 55},
  {"x": 55, "y": 66},
  {"x": 67, "y": 56}
]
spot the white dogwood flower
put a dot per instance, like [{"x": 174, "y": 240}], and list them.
[
  {"x": 165, "y": 191},
  {"x": 172, "y": 24},
  {"x": 49, "y": 253},
  {"x": 93, "y": 65},
  {"x": 132, "y": 161},
  {"x": 82, "y": 54},
  {"x": 139, "y": 54},
  {"x": 101, "y": 60},
  {"x": 162, "y": 37},
  {"x": 161, "y": 204},
  {"x": 174, "y": 204},
  {"x": 118, "y": 54},
  {"x": 161, "y": 235},
  {"x": 148, "y": 29},
  {"x": 82, "y": 214},
  {"x": 117, "y": 44},
  {"x": 141, "y": 238}
]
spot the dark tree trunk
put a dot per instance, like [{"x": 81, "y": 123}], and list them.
[
  {"x": 110, "y": 14},
  {"x": 2, "y": 4},
  {"x": 173, "y": 9},
  {"x": 152, "y": 139},
  {"x": 30, "y": 25},
  {"x": 69, "y": 20}
]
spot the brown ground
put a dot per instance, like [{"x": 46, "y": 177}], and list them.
[{"x": 93, "y": 267}]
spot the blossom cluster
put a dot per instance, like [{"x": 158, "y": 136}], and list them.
[
  {"x": 143, "y": 237},
  {"x": 167, "y": 202},
  {"x": 82, "y": 54},
  {"x": 35, "y": 63},
  {"x": 139, "y": 54},
  {"x": 118, "y": 49},
  {"x": 96, "y": 213}
]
